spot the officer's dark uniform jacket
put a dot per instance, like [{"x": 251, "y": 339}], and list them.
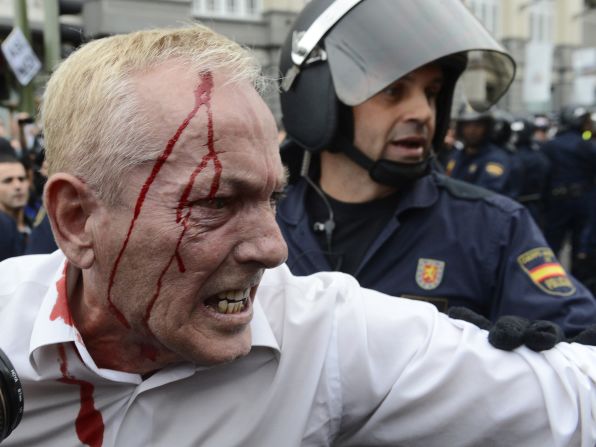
[
  {"x": 454, "y": 244},
  {"x": 573, "y": 162},
  {"x": 12, "y": 241},
  {"x": 571, "y": 187},
  {"x": 535, "y": 174},
  {"x": 491, "y": 168}
]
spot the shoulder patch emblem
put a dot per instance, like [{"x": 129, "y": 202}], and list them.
[
  {"x": 542, "y": 267},
  {"x": 429, "y": 273},
  {"x": 494, "y": 169},
  {"x": 449, "y": 167}
]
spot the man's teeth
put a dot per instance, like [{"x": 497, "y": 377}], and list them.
[{"x": 233, "y": 301}]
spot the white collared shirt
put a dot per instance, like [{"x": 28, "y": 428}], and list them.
[{"x": 331, "y": 363}]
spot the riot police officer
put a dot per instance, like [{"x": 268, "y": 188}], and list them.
[
  {"x": 366, "y": 93},
  {"x": 484, "y": 160},
  {"x": 535, "y": 168},
  {"x": 571, "y": 185}
]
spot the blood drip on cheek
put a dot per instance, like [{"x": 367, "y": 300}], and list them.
[
  {"x": 202, "y": 95},
  {"x": 89, "y": 422}
]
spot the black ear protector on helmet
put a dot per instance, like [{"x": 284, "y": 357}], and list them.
[{"x": 311, "y": 109}]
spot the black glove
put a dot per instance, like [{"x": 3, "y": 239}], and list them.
[{"x": 510, "y": 332}]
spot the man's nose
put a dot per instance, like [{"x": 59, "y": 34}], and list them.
[{"x": 262, "y": 241}]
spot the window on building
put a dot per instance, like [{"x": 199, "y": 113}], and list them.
[
  {"x": 541, "y": 16},
  {"x": 487, "y": 11},
  {"x": 233, "y": 9},
  {"x": 251, "y": 6},
  {"x": 212, "y": 5}
]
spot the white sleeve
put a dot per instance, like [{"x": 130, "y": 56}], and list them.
[{"x": 411, "y": 376}]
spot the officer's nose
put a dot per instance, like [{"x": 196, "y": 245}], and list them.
[
  {"x": 419, "y": 107},
  {"x": 261, "y": 240}
]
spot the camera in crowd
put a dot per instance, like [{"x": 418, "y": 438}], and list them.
[{"x": 11, "y": 397}]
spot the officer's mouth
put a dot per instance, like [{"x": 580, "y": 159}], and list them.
[{"x": 407, "y": 149}]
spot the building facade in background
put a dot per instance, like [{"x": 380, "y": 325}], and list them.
[{"x": 552, "y": 41}]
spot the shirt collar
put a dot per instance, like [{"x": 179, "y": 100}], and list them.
[
  {"x": 53, "y": 324},
  {"x": 262, "y": 334}
]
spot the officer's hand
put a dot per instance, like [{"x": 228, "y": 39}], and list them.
[
  {"x": 586, "y": 337},
  {"x": 510, "y": 332}
]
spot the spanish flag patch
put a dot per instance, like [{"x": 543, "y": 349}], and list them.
[{"x": 541, "y": 265}]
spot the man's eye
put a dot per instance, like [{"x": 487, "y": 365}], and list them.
[{"x": 216, "y": 203}]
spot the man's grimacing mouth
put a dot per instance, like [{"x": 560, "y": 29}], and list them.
[{"x": 230, "y": 301}]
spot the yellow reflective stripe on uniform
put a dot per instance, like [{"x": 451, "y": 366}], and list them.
[{"x": 495, "y": 169}]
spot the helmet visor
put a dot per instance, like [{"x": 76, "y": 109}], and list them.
[{"x": 380, "y": 41}]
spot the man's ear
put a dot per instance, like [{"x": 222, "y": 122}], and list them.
[{"x": 69, "y": 203}]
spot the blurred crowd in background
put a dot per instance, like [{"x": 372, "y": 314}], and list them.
[
  {"x": 545, "y": 162},
  {"x": 24, "y": 227}
]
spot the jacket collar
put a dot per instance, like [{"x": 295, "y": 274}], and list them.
[{"x": 422, "y": 194}]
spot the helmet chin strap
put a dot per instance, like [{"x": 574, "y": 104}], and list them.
[{"x": 386, "y": 172}]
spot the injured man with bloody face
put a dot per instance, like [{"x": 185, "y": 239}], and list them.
[{"x": 167, "y": 316}]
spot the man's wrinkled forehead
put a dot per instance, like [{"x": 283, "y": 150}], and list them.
[
  {"x": 195, "y": 113},
  {"x": 170, "y": 91}
]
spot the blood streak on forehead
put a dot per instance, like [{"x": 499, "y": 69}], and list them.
[{"x": 202, "y": 94}]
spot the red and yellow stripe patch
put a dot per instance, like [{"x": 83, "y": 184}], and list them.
[
  {"x": 543, "y": 268},
  {"x": 546, "y": 271}
]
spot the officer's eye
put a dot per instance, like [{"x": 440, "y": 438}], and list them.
[
  {"x": 433, "y": 91},
  {"x": 393, "y": 91}
]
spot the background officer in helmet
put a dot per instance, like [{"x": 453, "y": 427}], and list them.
[
  {"x": 484, "y": 161},
  {"x": 542, "y": 128},
  {"x": 535, "y": 168},
  {"x": 366, "y": 93},
  {"x": 572, "y": 177}
]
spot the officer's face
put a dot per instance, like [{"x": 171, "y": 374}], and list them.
[
  {"x": 398, "y": 123},
  {"x": 14, "y": 186},
  {"x": 473, "y": 133}
]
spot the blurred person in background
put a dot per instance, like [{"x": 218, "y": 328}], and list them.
[
  {"x": 481, "y": 162},
  {"x": 535, "y": 168},
  {"x": 14, "y": 193},
  {"x": 571, "y": 182},
  {"x": 41, "y": 239},
  {"x": 543, "y": 128},
  {"x": 450, "y": 144}
]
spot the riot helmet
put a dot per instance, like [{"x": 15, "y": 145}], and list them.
[
  {"x": 523, "y": 132},
  {"x": 341, "y": 53},
  {"x": 574, "y": 117},
  {"x": 467, "y": 114},
  {"x": 501, "y": 131}
]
